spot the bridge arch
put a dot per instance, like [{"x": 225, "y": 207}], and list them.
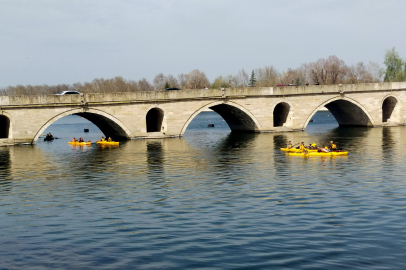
[
  {"x": 390, "y": 109},
  {"x": 108, "y": 124},
  {"x": 346, "y": 111},
  {"x": 280, "y": 114},
  {"x": 5, "y": 124},
  {"x": 154, "y": 119},
  {"x": 237, "y": 117}
]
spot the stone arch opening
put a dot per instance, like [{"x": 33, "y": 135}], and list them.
[
  {"x": 108, "y": 125},
  {"x": 236, "y": 119},
  {"x": 388, "y": 106},
  {"x": 4, "y": 127},
  {"x": 154, "y": 120},
  {"x": 280, "y": 114},
  {"x": 348, "y": 114}
]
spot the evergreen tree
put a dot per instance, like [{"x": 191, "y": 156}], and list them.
[
  {"x": 167, "y": 85},
  {"x": 252, "y": 79}
]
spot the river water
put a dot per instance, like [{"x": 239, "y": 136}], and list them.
[{"x": 209, "y": 200}]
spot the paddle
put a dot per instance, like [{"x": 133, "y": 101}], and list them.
[{"x": 292, "y": 146}]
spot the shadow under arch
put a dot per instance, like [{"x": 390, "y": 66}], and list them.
[
  {"x": 4, "y": 127},
  {"x": 280, "y": 114},
  {"x": 154, "y": 119},
  {"x": 388, "y": 106},
  {"x": 347, "y": 112},
  {"x": 108, "y": 124},
  {"x": 237, "y": 117}
]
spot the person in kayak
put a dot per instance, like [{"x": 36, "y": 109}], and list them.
[
  {"x": 49, "y": 137},
  {"x": 74, "y": 139},
  {"x": 333, "y": 146},
  {"x": 313, "y": 146},
  {"x": 289, "y": 145},
  {"x": 81, "y": 139},
  {"x": 109, "y": 139},
  {"x": 102, "y": 139},
  {"x": 302, "y": 146}
]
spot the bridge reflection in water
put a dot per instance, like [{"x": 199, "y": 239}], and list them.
[{"x": 188, "y": 156}]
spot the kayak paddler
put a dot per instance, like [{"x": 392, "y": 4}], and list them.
[
  {"x": 333, "y": 146},
  {"x": 289, "y": 145},
  {"x": 313, "y": 146}
]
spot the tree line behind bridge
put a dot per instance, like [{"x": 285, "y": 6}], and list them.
[{"x": 331, "y": 70}]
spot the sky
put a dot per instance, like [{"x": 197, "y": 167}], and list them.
[{"x": 64, "y": 42}]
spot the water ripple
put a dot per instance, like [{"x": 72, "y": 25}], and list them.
[{"x": 212, "y": 200}]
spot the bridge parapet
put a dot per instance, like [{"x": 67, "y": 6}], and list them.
[
  {"x": 152, "y": 96},
  {"x": 39, "y": 99}
]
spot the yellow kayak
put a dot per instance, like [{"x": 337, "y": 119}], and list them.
[
  {"x": 107, "y": 143},
  {"x": 319, "y": 154},
  {"x": 80, "y": 143},
  {"x": 295, "y": 150}
]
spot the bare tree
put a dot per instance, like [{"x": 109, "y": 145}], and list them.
[
  {"x": 76, "y": 87},
  {"x": 336, "y": 69},
  {"x": 267, "y": 76},
  {"x": 144, "y": 85},
  {"x": 376, "y": 71},
  {"x": 327, "y": 71},
  {"x": 318, "y": 74},
  {"x": 358, "y": 73},
  {"x": 159, "y": 82},
  {"x": 172, "y": 81},
  {"x": 241, "y": 79},
  {"x": 182, "y": 79},
  {"x": 294, "y": 76},
  {"x": 197, "y": 80}
]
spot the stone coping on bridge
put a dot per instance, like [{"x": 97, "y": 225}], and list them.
[{"x": 152, "y": 96}]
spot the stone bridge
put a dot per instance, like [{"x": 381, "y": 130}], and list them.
[{"x": 168, "y": 113}]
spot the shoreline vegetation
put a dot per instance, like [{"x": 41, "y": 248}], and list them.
[{"x": 331, "y": 70}]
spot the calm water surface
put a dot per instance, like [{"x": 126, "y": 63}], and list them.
[{"x": 210, "y": 200}]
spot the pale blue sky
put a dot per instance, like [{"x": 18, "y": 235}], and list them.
[{"x": 52, "y": 42}]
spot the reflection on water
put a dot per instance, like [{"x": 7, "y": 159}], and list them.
[
  {"x": 389, "y": 143},
  {"x": 155, "y": 157},
  {"x": 212, "y": 200},
  {"x": 5, "y": 177}
]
